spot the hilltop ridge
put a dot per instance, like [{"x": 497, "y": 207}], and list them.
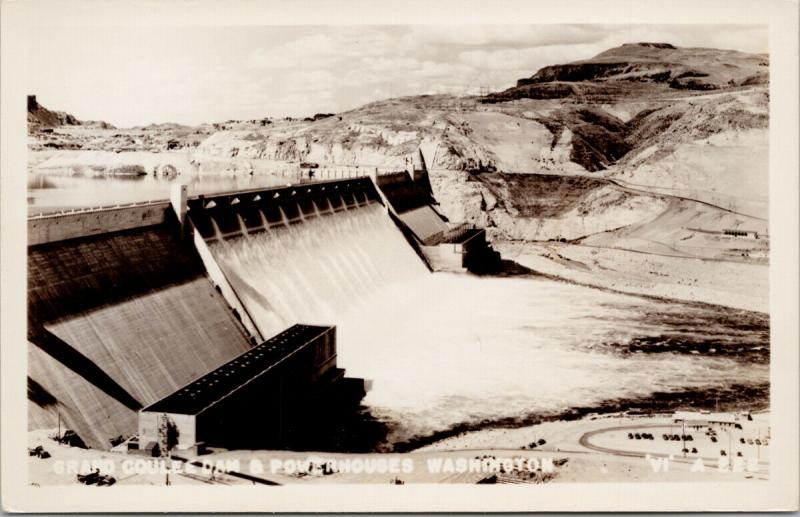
[{"x": 677, "y": 67}]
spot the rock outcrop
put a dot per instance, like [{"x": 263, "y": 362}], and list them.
[
  {"x": 41, "y": 117},
  {"x": 660, "y": 63}
]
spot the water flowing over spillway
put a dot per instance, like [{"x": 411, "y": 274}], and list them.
[
  {"x": 448, "y": 350},
  {"x": 315, "y": 270}
]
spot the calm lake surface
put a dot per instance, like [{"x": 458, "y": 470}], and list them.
[{"x": 52, "y": 192}]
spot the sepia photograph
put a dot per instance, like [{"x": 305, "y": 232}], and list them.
[{"x": 284, "y": 258}]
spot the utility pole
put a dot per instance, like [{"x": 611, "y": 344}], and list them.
[
  {"x": 758, "y": 445},
  {"x": 163, "y": 444},
  {"x": 683, "y": 436},
  {"x": 730, "y": 451}
]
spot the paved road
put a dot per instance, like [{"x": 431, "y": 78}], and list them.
[{"x": 585, "y": 442}]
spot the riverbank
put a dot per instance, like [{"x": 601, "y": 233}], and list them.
[{"x": 739, "y": 285}]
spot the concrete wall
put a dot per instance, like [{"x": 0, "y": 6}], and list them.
[
  {"x": 187, "y": 429},
  {"x": 120, "y": 320},
  {"x": 59, "y": 227},
  {"x": 392, "y": 178},
  {"x": 455, "y": 257},
  {"x": 445, "y": 257},
  {"x": 476, "y": 243},
  {"x": 83, "y": 406},
  {"x": 425, "y": 222},
  {"x": 148, "y": 427},
  {"x": 428, "y": 148},
  {"x": 186, "y": 425},
  {"x": 218, "y": 278},
  {"x": 324, "y": 353}
]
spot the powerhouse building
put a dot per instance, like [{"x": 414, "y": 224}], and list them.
[{"x": 248, "y": 401}]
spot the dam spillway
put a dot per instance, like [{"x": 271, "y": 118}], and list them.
[
  {"x": 313, "y": 270},
  {"x": 120, "y": 319},
  {"x": 123, "y": 316}
]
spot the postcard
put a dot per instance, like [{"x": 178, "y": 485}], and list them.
[{"x": 346, "y": 256}]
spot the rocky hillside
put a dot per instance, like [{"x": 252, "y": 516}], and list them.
[
  {"x": 662, "y": 122},
  {"x": 50, "y": 130},
  {"x": 605, "y": 107},
  {"x": 658, "y": 64},
  {"x": 40, "y": 117}
]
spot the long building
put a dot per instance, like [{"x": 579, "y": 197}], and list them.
[{"x": 248, "y": 401}]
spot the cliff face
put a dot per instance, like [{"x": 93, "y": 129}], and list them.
[
  {"x": 40, "y": 117},
  {"x": 666, "y": 125}
]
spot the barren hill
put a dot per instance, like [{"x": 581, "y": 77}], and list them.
[
  {"x": 653, "y": 64},
  {"x": 666, "y": 135}
]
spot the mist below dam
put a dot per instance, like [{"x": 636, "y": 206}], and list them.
[{"x": 447, "y": 351}]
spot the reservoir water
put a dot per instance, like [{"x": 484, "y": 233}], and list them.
[{"x": 51, "y": 192}]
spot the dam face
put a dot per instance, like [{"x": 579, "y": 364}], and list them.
[
  {"x": 120, "y": 319},
  {"x": 124, "y": 318}
]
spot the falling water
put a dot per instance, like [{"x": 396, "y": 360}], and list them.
[
  {"x": 445, "y": 350},
  {"x": 316, "y": 209},
  {"x": 242, "y": 226},
  {"x": 284, "y": 218},
  {"x": 217, "y": 231},
  {"x": 314, "y": 271},
  {"x": 264, "y": 222}
]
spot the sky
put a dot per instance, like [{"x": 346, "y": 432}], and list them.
[{"x": 135, "y": 76}]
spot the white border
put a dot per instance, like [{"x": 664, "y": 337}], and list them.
[{"x": 780, "y": 493}]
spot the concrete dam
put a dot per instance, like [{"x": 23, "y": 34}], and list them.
[{"x": 146, "y": 306}]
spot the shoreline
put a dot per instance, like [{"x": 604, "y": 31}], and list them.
[
  {"x": 700, "y": 399},
  {"x": 727, "y": 284}
]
